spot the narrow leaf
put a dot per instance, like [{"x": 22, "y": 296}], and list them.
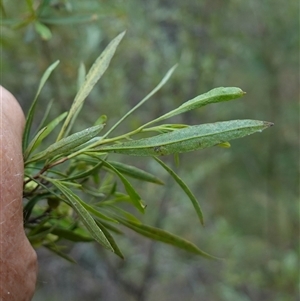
[
  {"x": 67, "y": 144},
  {"x": 45, "y": 116},
  {"x": 43, "y": 30},
  {"x": 84, "y": 174},
  {"x": 96, "y": 212},
  {"x": 185, "y": 188},
  {"x": 31, "y": 111},
  {"x": 70, "y": 235},
  {"x": 157, "y": 88},
  {"x": 94, "y": 74},
  {"x": 85, "y": 217},
  {"x": 213, "y": 96},
  {"x": 111, "y": 240},
  {"x": 166, "y": 237},
  {"x": 117, "y": 210},
  {"x": 81, "y": 75},
  {"x": 42, "y": 134},
  {"x": 70, "y": 20},
  {"x": 135, "y": 172},
  {"x": 189, "y": 139},
  {"x": 57, "y": 251},
  {"x": 33, "y": 143},
  {"x": 101, "y": 120},
  {"x": 134, "y": 196}
]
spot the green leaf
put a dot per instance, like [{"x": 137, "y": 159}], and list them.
[
  {"x": 213, "y": 96},
  {"x": 81, "y": 75},
  {"x": 43, "y": 31},
  {"x": 35, "y": 234},
  {"x": 2, "y": 9},
  {"x": 55, "y": 249},
  {"x": 67, "y": 145},
  {"x": 70, "y": 235},
  {"x": 70, "y": 20},
  {"x": 111, "y": 228},
  {"x": 84, "y": 174},
  {"x": 31, "y": 111},
  {"x": 224, "y": 145},
  {"x": 157, "y": 88},
  {"x": 118, "y": 211},
  {"x": 185, "y": 188},
  {"x": 27, "y": 209},
  {"x": 166, "y": 237},
  {"x": 135, "y": 172},
  {"x": 94, "y": 74},
  {"x": 101, "y": 120},
  {"x": 134, "y": 196},
  {"x": 112, "y": 242},
  {"x": 189, "y": 139},
  {"x": 45, "y": 116},
  {"x": 33, "y": 143},
  {"x": 42, "y": 134},
  {"x": 83, "y": 214},
  {"x": 96, "y": 213}
]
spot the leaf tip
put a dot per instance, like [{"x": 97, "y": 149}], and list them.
[
  {"x": 269, "y": 124},
  {"x": 224, "y": 144}
]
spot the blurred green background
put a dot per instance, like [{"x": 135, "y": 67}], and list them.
[{"x": 249, "y": 192}]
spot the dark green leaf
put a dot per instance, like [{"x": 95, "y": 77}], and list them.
[
  {"x": 70, "y": 235},
  {"x": 135, "y": 172},
  {"x": 166, "y": 237},
  {"x": 43, "y": 31},
  {"x": 83, "y": 214},
  {"x": 134, "y": 196},
  {"x": 110, "y": 239},
  {"x": 55, "y": 249},
  {"x": 185, "y": 189}
]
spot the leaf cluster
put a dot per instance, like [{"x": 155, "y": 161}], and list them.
[{"x": 72, "y": 187}]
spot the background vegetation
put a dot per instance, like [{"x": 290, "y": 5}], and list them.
[{"x": 249, "y": 193}]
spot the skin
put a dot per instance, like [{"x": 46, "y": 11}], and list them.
[{"x": 18, "y": 260}]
